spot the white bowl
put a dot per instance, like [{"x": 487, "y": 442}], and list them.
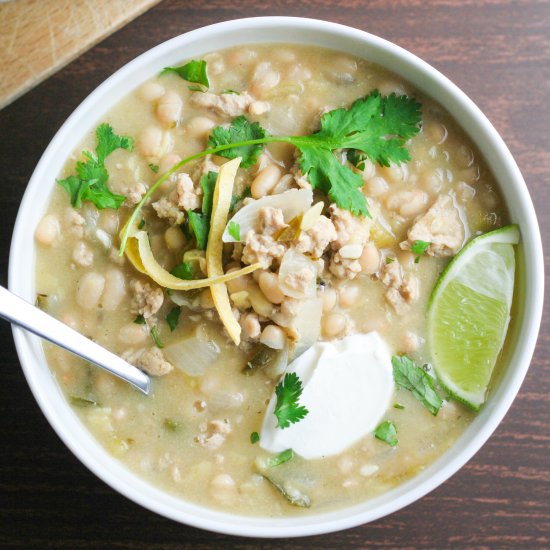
[{"x": 301, "y": 31}]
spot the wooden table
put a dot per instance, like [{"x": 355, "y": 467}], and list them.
[{"x": 498, "y": 52}]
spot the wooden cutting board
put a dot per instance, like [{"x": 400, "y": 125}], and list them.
[{"x": 38, "y": 37}]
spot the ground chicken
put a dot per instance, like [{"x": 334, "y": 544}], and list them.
[
  {"x": 270, "y": 220},
  {"x": 349, "y": 228},
  {"x": 153, "y": 362},
  {"x": 299, "y": 178},
  {"x": 166, "y": 208},
  {"x": 314, "y": 241},
  {"x": 261, "y": 248},
  {"x": 402, "y": 288},
  {"x": 215, "y": 434},
  {"x": 133, "y": 192},
  {"x": 441, "y": 226},
  {"x": 344, "y": 268},
  {"x": 231, "y": 105},
  {"x": 299, "y": 280},
  {"x": 146, "y": 299},
  {"x": 188, "y": 195}
]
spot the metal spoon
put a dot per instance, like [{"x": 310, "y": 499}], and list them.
[{"x": 23, "y": 314}]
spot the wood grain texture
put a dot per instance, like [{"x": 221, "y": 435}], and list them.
[
  {"x": 38, "y": 37},
  {"x": 498, "y": 52}
]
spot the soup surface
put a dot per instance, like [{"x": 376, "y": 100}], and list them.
[{"x": 326, "y": 273}]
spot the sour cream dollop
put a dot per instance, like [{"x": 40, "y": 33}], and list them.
[{"x": 347, "y": 388}]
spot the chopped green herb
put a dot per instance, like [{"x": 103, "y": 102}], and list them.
[
  {"x": 173, "y": 318},
  {"x": 199, "y": 222},
  {"x": 254, "y": 437},
  {"x": 231, "y": 92},
  {"x": 171, "y": 424},
  {"x": 398, "y": 406},
  {"x": 83, "y": 401},
  {"x": 200, "y": 89},
  {"x": 419, "y": 248},
  {"x": 90, "y": 183},
  {"x": 240, "y": 131},
  {"x": 185, "y": 271},
  {"x": 155, "y": 337},
  {"x": 194, "y": 71},
  {"x": 141, "y": 224},
  {"x": 387, "y": 432},
  {"x": 154, "y": 167},
  {"x": 389, "y": 260},
  {"x": 139, "y": 320},
  {"x": 412, "y": 377},
  {"x": 288, "y": 393},
  {"x": 235, "y": 199},
  {"x": 281, "y": 458},
  {"x": 234, "y": 230}
]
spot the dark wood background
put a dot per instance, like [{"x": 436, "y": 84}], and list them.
[{"x": 498, "y": 52}]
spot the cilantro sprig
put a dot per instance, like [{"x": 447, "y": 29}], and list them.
[
  {"x": 412, "y": 377},
  {"x": 199, "y": 222},
  {"x": 375, "y": 126},
  {"x": 90, "y": 182},
  {"x": 387, "y": 432},
  {"x": 288, "y": 392}
]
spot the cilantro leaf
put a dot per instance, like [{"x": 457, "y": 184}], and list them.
[
  {"x": 411, "y": 377},
  {"x": 387, "y": 432},
  {"x": 194, "y": 71},
  {"x": 155, "y": 337},
  {"x": 208, "y": 184},
  {"x": 108, "y": 141},
  {"x": 234, "y": 229},
  {"x": 240, "y": 130},
  {"x": 254, "y": 437},
  {"x": 173, "y": 318},
  {"x": 139, "y": 320},
  {"x": 281, "y": 458},
  {"x": 200, "y": 225},
  {"x": 419, "y": 248},
  {"x": 90, "y": 183},
  {"x": 184, "y": 271},
  {"x": 154, "y": 167},
  {"x": 288, "y": 393}
]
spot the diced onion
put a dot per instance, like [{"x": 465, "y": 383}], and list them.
[{"x": 292, "y": 264}]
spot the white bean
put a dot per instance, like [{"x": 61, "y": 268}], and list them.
[
  {"x": 151, "y": 91},
  {"x": 329, "y": 298},
  {"x": 431, "y": 181},
  {"x": 133, "y": 334},
  {"x": 199, "y": 127},
  {"x": 238, "y": 284},
  {"x": 174, "y": 238},
  {"x": 416, "y": 203},
  {"x": 206, "y": 299},
  {"x": 348, "y": 296},
  {"x": 269, "y": 285},
  {"x": 47, "y": 230},
  {"x": 115, "y": 289},
  {"x": 395, "y": 173},
  {"x": 265, "y": 181},
  {"x": 169, "y": 108},
  {"x": 333, "y": 324},
  {"x": 167, "y": 161},
  {"x": 250, "y": 325},
  {"x": 154, "y": 142},
  {"x": 265, "y": 78},
  {"x": 375, "y": 186},
  {"x": 89, "y": 290},
  {"x": 370, "y": 259},
  {"x": 436, "y": 132},
  {"x": 259, "y": 108},
  {"x": 273, "y": 336}
]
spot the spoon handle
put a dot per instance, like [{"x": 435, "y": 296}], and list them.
[{"x": 33, "y": 319}]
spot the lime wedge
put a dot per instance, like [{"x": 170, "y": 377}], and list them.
[{"x": 469, "y": 312}]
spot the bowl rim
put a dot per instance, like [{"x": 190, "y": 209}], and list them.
[{"x": 292, "y": 30}]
